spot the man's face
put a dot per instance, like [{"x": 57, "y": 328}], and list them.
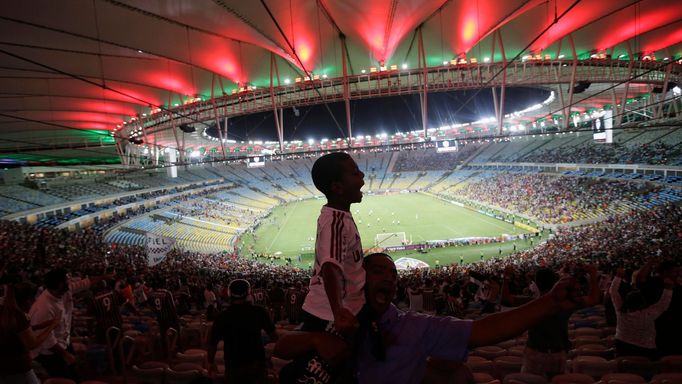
[
  {"x": 352, "y": 179},
  {"x": 61, "y": 289},
  {"x": 381, "y": 280}
]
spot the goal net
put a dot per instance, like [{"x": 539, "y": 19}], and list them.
[{"x": 390, "y": 239}]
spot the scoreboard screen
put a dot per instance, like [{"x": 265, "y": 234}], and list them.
[
  {"x": 446, "y": 146},
  {"x": 601, "y": 128},
  {"x": 257, "y": 161}
]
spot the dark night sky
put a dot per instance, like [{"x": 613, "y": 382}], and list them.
[{"x": 380, "y": 115}]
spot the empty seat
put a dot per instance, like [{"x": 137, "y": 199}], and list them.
[
  {"x": 507, "y": 344},
  {"x": 638, "y": 365},
  {"x": 192, "y": 335},
  {"x": 149, "y": 375},
  {"x": 446, "y": 372},
  {"x": 197, "y": 356},
  {"x": 490, "y": 352},
  {"x": 667, "y": 378},
  {"x": 59, "y": 380},
  {"x": 182, "y": 377},
  {"x": 622, "y": 378},
  {"x": 587, "y": 339},
  {"x": 481, "y": 365},
  {"x": 154, "y": 364},
  {"x": 517, "y": 350},
  {"x": 593, "y": 350},
  {"x": 671, "y": 364},
  {"x": 185, "y": 367},
  {"x": 572, "y": 378},
  {"x": 505, "y": 365},
  {"x": 524, "y": 378},
  {"x": 594, "y": 366},
  {"x": 483, "y": 378},
  {"x": 587, "y": 331}
]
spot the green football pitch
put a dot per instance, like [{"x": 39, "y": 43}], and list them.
[{"x": 290, "y": 230}]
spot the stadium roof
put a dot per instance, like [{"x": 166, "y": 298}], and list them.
[{"x": 71, "y": 71}]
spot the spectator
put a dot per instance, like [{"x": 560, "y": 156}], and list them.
[
  {"x": 211, "y": 302},
  {"x": 635, "y": 324},
  {"x": 16, "y": 335},
  {"x": 239, "y": 327},
  {"x": 409, "y": 338},
  {"x": 55, "y": 354},
  {"x": 548, "y": 344}
]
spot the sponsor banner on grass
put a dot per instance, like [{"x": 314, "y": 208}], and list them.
[
  {"x": 410, "y": 247},
  {"x": 526, "y": 227}
]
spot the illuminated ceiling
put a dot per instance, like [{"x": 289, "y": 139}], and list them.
[{"x": 70, "y": 71}]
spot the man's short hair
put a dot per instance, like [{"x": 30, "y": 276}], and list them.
[
  {"x": 239, "y": 288},
  {"x": 545, "y": 279},
  {"x": 327, "y": 170},
  {"x": 371, "y": 256},
  {"x": 55, "y": 278}
]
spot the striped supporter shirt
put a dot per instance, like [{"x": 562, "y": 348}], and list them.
[{"x": 338, "y": 242}]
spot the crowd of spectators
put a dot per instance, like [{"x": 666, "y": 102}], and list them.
[
  {"x": 430, "y": 160},
  {"x": 634, "y": 249},
  {"x": 54, "y": 220},
  {"x": 550, "y": 199},
  {"x": 218, "y": 212},
  {"x": 653, "y": 153}
]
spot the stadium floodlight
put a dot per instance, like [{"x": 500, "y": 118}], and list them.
[{"x": 311, "y": 141}]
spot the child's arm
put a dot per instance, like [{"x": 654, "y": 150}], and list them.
[
  {"x": 294, "y": 344},
  {"x": 332, "y": 277}
]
